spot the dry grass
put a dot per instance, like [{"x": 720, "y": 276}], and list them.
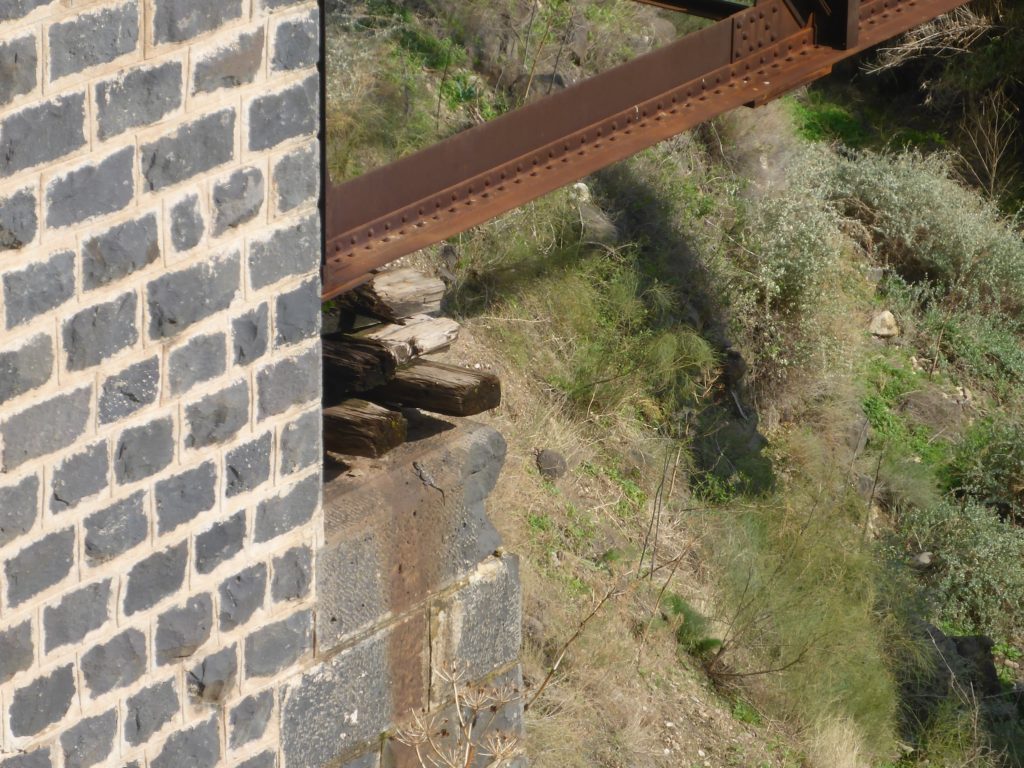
[
  {"x": 836, "y": 744},
  {"x": 946, "y": 35},
  {"x": 602, "y": 708}
]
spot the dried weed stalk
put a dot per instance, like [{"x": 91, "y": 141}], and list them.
[
  {"x": 468, "y": 741},
  {"x": 946, "y": 35},
  {"x": 991, "y": 136}
]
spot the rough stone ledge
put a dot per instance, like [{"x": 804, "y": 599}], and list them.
[
  {"x": 392, "y": 540},
  {"x": 411, "y": 579}
]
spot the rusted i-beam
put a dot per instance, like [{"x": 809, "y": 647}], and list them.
[{"x": 750, "y": 57}]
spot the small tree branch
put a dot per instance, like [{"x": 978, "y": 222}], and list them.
[{"x": 614, "y": 592}]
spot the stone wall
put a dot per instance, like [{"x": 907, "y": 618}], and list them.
[
  {"x": 159, "y": 378},
  {"x": 412, "y": 583},
  {"x": 178, "y": 588}
]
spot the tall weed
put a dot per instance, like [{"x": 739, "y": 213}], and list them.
[{"x": 803, "y": 597}]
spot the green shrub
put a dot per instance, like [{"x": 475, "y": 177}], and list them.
[
  {"x": 976, "y": 582},
  {"x": 929, "y": 227},
  {"x": 783, "y": 252},
  {"x": 746, "y": 713},
  {"x": 984, "y": 349},
  {"x": 988, "y": 465},
  {"x": 428, "y": 50},
  {"x": 758, "y": 265},
  {"x": 610, "y": 342},
  {"x": 388, "y": 77},
  {"x": 378, "y": 105},
  {"x": 806, "y": 601},
  {"x": 621, "y": 353},
  {"x": 953, "y": 736},
  {"x": 896, "y": 437},
  {"x": 693, "y": 632},
  {"x": 788, "y": 243}
]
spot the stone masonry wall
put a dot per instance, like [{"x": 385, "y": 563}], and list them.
[
  {"x": 412, "y": 582},
  {"x": 160, "y": 477}
]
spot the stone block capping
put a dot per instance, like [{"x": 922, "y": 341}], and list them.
[{"x": 159, "y": 405}]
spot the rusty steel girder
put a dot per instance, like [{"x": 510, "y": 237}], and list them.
[{"x": 750, "y": 57}]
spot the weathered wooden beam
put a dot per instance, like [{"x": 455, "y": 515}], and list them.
[
  {"x": 398, "y": 294},
  {"x": 354, "y": 365},
  {"x": 420, "y": 335},
  {"x": 440, "y": 388},
  {"x": 358, "y": 428}
]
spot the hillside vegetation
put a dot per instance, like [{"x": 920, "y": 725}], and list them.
[{"x": 791, "y": 530}]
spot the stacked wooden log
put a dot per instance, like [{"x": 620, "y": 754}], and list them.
[{"x": 376, "y": 368}]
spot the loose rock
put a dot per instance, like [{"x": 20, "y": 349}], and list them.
[
  {"x": 551, "y": 464},
  {"x": 884, "y": 325},
  {"x": 923, "y": 560}
]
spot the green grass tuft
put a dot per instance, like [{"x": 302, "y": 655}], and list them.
[{"x": 819, "y": 119}]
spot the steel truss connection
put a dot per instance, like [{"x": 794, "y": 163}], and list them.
[{"x": 750, "y": 57}]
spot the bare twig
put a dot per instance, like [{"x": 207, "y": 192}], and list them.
[
  {"x": 874, "y": 488},
  {"x": 990, "y": 130},
  {"x": 534, "y": 7},
  {"x": 440, "y": 91},
  {"x": 655, "y": 520},
  {"x": 536, "y": 59},
  {"x": 770, "y": 670},
  {"x": 657, "y": 606},
  {"x": 614, "y": 592},
  {"x": 566, "y": 33}
]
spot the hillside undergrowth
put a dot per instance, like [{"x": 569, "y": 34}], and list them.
[{"x": 797, "y": 519}]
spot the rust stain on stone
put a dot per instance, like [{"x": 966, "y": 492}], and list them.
[
  {"x": 418, "y": 522},
  {"x": 409, "y": 664},
  {"x": 422, "y": 509}
]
